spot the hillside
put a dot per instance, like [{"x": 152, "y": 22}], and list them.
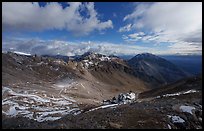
[{"x": 155, "y": 70}]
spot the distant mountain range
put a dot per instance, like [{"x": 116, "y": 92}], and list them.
[
  {"x": 189, "y": 63},
  {"x": 151, "y": 69}
]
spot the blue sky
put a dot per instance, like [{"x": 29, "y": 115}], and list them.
[{"x": 120, "y": 28}]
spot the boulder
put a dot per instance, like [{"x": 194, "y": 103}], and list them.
[{"x": 122, "y": 98}]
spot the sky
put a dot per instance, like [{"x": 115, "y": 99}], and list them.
[{"x": 110, "y": 28}]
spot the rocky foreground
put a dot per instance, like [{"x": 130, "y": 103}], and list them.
[{"x": 172, "y": 112}]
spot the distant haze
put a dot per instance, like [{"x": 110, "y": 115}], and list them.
[{"x": 189, "y": 63}]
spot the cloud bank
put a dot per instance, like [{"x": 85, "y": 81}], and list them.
[
  {"x": 178, "y": 23},
  {"x": 54, "y": 47},
  {"x": 78, "y": 18}
]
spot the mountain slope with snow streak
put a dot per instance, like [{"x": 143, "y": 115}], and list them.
[{"x": 38, "y": 106}]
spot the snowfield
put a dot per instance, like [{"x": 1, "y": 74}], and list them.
[{"x": 37, "y": 105}]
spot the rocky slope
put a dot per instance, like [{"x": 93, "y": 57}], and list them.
[
  {"x": 39, "y": 84},
  {"x": 155, "y": 70},
  {"x": 45, "y": 92},
  {"x": 180, "y": 111}
]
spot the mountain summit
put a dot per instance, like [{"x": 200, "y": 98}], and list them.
[{"x": 155, "y": 70}]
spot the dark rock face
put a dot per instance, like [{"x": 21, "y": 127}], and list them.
[
  {"x": 64, "y": 58},
  {"x": 155, "y": 70}
]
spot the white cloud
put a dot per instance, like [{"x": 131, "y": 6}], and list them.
[
  {"x": 173, "y": 22},
  {"x": 139, "y": 10},
  {"x": 124, "y": 37},
  {"x": 30, "y": 16},
  {"x": 136, "y": 35},
  {"x": 125, "y": 28},
  {"x": 54, "y": 47}
]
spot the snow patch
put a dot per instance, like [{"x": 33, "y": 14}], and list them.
[
  {"x": 22, "y": 53},
  {"x": 176, "y": 119},
  {"x": 178, "y": 93},
  {"x": 169, "y": 126},
  {"x": 187, "y": 109},
  {"x": 90, "y": 63},
  {"x": 12, "y": 111},
  {"x": 37, "y": 106},
  {"x": 103, "y": 107},
  {"x": 122, "y": 98},
  {"x": 40, "y": 63},
  {"x": 82, "y": 85},
  {"x": 105, "y": 58}
]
